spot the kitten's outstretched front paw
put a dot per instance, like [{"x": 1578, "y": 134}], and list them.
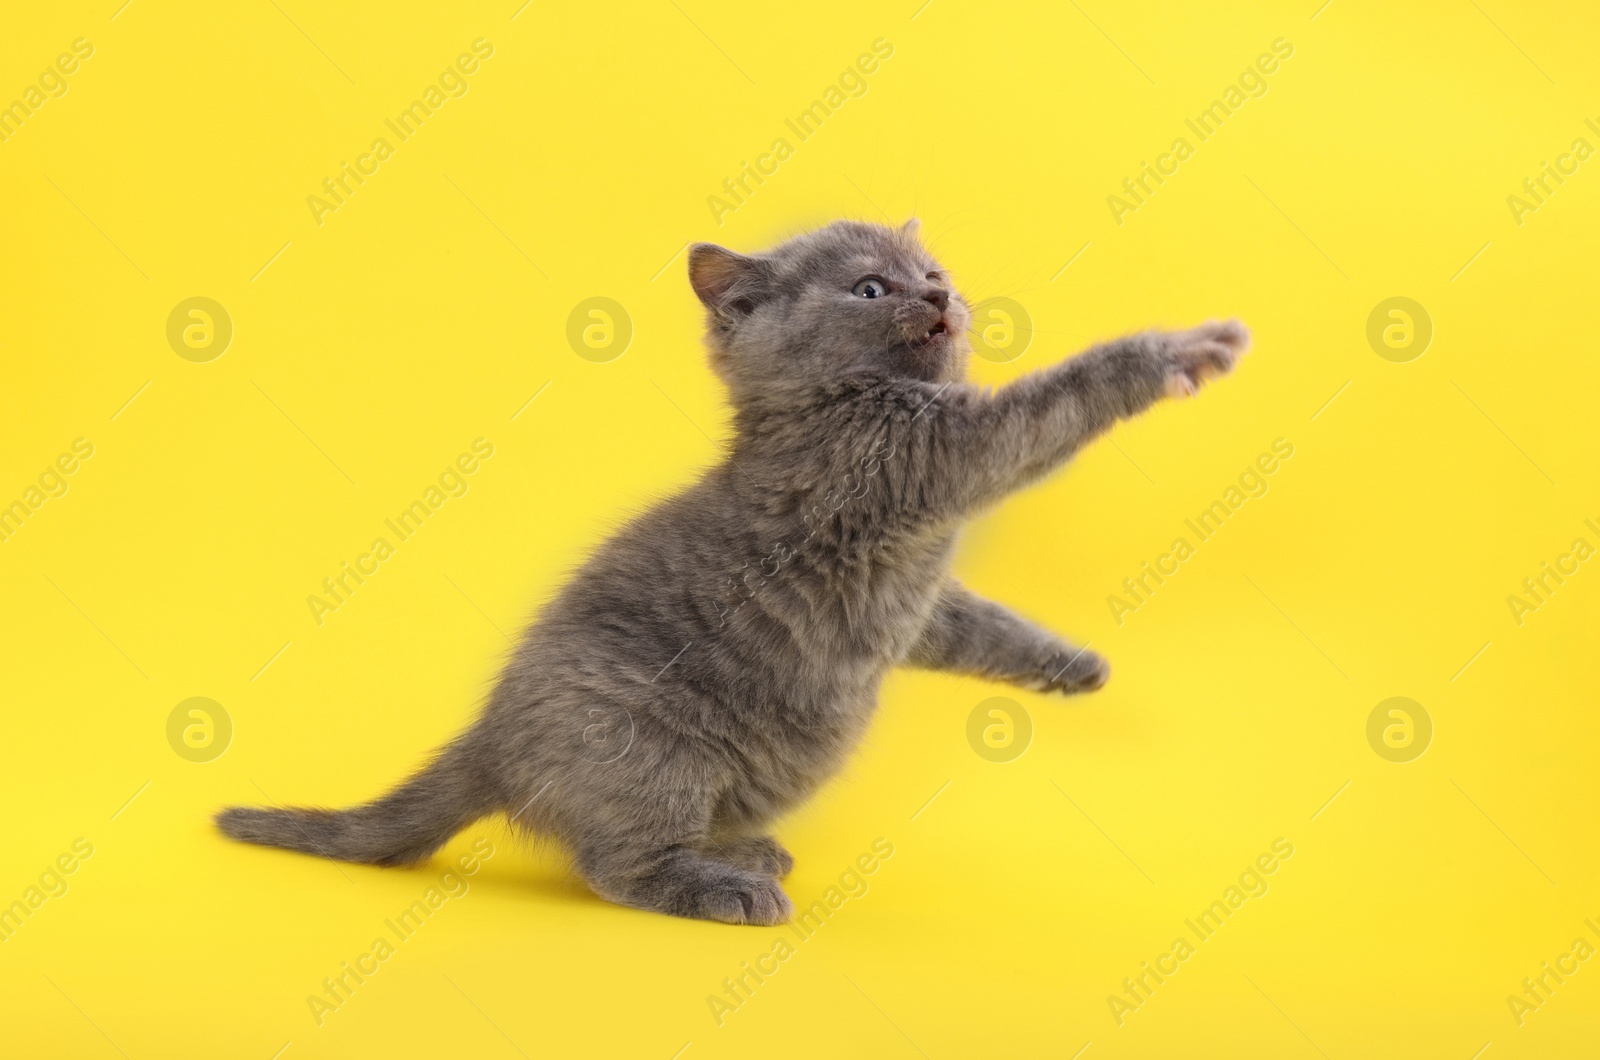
[
  {"x": 1080, "y": 671},
  {"x": 1202, "y": 353}
]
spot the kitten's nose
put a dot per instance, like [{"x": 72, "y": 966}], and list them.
[{"x": 938, "y": 296}]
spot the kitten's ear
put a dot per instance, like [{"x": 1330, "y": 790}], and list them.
[
  {"x": 726, "y": 282},
  {"x": 912, "y": 228}
]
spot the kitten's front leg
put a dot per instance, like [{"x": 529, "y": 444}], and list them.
[
  {"x": 968, "y": 634},
  {"x": 983, "y": 447}
]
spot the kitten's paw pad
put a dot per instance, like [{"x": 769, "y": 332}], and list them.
[
  {"x": 1231, "y": 333},
  {"x": 1203, "y": 353},
  {"x": 753, "y": 900},
  {"x": 1084, "y": 671},
  {"x": 758, "y": 853}
]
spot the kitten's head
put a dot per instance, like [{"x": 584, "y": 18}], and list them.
[{"x": 848, "y": 299}]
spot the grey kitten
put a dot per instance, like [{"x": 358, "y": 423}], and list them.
[{"x": 718, "y": 659}]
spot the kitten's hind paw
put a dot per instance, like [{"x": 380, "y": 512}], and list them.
[
  {"x": 690, "y": 883},
  {"x": 757, "y": 853},
  {"x": 733, "y": 898}
]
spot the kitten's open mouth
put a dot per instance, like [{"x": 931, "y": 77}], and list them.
[{"x": 933, "y": 334}]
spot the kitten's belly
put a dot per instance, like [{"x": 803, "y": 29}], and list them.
[
  {"x": 795, "y": 754},
  {"x": 776, "y": 683},
  {"x": 828, "y": 675}
]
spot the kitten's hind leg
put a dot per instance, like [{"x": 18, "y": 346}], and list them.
[
  {"x": 971, "y": 635},
  {"x": 647, "y": 842},
  {"x": 684, "y": 882},
  {"x": 758, "y": 853}
]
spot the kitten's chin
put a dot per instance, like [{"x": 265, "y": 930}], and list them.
[{"x": 939, "y": 360}]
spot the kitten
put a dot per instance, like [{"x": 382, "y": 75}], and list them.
[{"x": 720, "y": 657}]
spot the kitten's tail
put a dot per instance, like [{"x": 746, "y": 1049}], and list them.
[{"x": 401, "y": 828}]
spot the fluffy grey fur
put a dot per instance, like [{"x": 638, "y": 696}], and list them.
[{"x": 720, "y": 657}]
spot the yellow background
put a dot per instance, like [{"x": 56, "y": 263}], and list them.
[{"x": 370, "y": 350}]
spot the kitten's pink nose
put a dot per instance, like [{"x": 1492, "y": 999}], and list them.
[{"x": 938, "y": 296}]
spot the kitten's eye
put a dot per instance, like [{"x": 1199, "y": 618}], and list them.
[
  {"x": 871, "y": 287},
  {"x": 935, "y": 277}
]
